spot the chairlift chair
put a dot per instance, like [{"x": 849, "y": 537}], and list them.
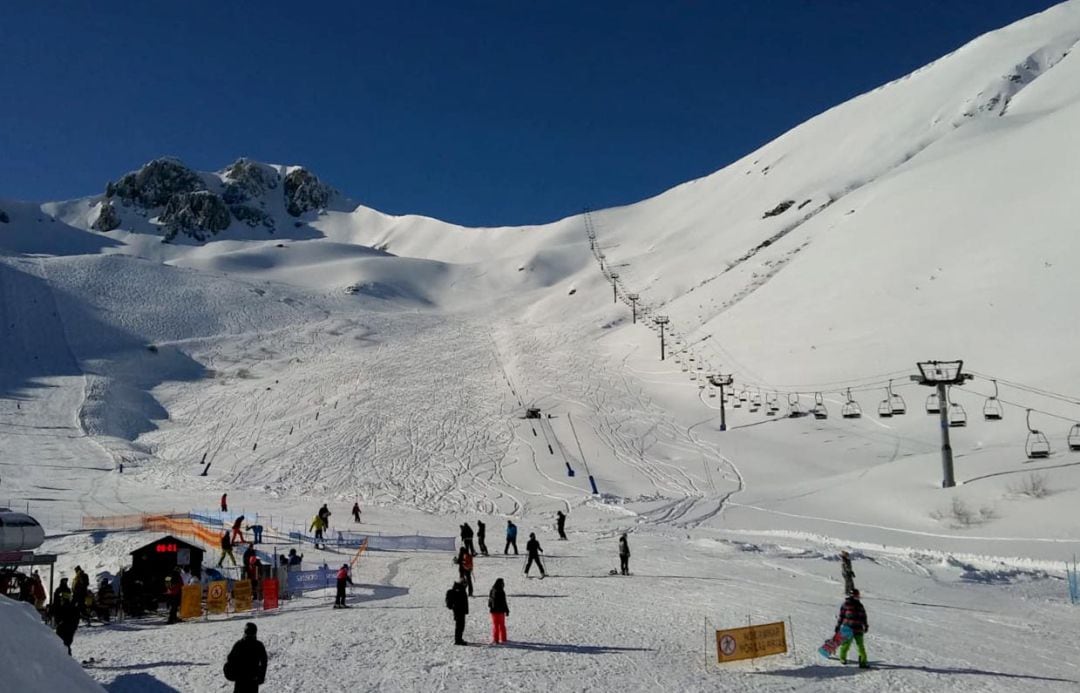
[
  {"x": 957, "y": 416},
  {"x": 773, "y": 406},
  {"x": 884, "y": 409},
  {"x": 1036, "y": 446},
  {"x": 992, "y": 410},
  {"x": 851, "y": 409},
  {"x": 1074, "y": 438},
  {"x": 712, "y": 393},
  {"x": 819, "y": 411},
  {"x": 933, "y": 403},
  {"x": 735, "y": 402},
  {"x": 794, "y": 407}
]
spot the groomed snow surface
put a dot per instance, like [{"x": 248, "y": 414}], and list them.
[{"x": 391, "y": 360}]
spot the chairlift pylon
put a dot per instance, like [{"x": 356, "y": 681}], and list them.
[
  {"x": 819, "y": 411},
  {"x": 992, "y": 410},
  {"x": 851, "y": 408},
  {"x": 1036, "y": 446}
]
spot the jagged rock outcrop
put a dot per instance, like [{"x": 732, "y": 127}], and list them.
[
  {"x": 155, "y": 183},
  {"x": 246, "y": 179},
  {"x": 107, "y": 219},
  {"x": 305, "y": 192},
  {"x": 252, "y": 216},
  {"x": 200, "y": 214}
]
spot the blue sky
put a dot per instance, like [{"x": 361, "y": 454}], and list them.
[{"x": 477, "y": 112}]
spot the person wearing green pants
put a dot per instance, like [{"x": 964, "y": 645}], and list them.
[{"x": 853, "y": 615}]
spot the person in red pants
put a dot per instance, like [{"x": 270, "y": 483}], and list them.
[{"x": 499, "y": 611}]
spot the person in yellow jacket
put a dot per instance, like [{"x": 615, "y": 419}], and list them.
[{"x": 319, "y": 524}]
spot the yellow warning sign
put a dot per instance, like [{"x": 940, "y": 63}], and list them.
[
  {"x": 217, "y": 597},
  {"x": 734, "y": 644},
  {"x": 191, "y": 601},
  {"x": 241, "y": 595}
]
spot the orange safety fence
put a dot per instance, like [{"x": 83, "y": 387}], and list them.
[{"x": 179, "y": 525}]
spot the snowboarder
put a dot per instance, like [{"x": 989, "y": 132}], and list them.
[
  {"x": 356, "y": 512},
  {"x": 847, "y": 573},
  {"x": 106, "y": 600},
  {"x": 481, "y": 532},
  {"x": 256, "y": 531},
  {"x": 511, "y": 538},
  {"x": 853, "y": 615},
  {"x": 226, "y": 549},
  {"x": 464, "y": 562},
  {"x": 319, "y": 524},
  {"x": 532, "y": 547},
  {"x": 467, "y": 538},
  {"x": 237, "y": 530},
  {"x": 499, "y": 611},
  {"x": 458, "y": 602},
  {"x": 224, "y": 502},
  {"x": 343, "y": 579},
  {"x": 624, "y": 556},
  {"x": 560, "y": 524},
  {"x": 246, "y": 664},
  {"x": 65, "y": 614},
  {"x": 172, "y": 598},
  {"x": 324, "y": 513}
]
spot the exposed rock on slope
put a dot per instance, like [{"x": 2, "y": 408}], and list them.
[
  {"x": 305, "y": 192},
  {"x": 107, "y": 219},
  {"x": 155, "y": 183},
  {"x": 200, "y": 214}
]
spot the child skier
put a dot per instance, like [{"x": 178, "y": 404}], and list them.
[
  {"x": 532, "y": 547},
  {"x": 853, "y": 615},
  {"x": 499, "y": 610}
]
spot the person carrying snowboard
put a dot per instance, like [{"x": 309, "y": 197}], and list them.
[
  {"x": 343, "y": 579},
  {"x": 624, "y": 556},
  {"x": 847, "y": 573},
  {"x": 467, "y": 538},
  {"x": 499, "y": 610},
  {"x": 319, "y": 524},
  {"x": 511, "y": 538},
  {"x": 237, "y": 530},
  {"x": 458, "y": 602},
  {"x": 226, "y": 549},
  {"x": 356, "y": 512},
  {"x": 532, "y": 547},
  {"x": 246, "y": 664},
  {"x": 853, "y": 615},
  {"x": 560, "y": 524}
]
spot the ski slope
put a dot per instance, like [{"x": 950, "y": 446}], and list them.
[{"x": 351, "y": 354}]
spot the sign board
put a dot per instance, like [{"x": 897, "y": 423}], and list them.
[
  {"x": 217, "y": 597},
  {"x": 191, "y": 601},
  {"x": 241, "y": 595},
  {"x": 749, "y": 642},
  {"x": 303, "y": 580},
  {"x": 270, "y": 594},
  {"x": 26, "y": 558},
  {"x": 183, "y": 557}
]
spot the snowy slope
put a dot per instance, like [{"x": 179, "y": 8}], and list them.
[{"x": 339, "y": 353}]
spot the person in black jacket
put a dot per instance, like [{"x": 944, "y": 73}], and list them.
[
  {"x": 499, "y": 610},
  {"x": 624, "y": 556},
  {"x": 560, "y": 524},
  {"x": 532, "y": 547},
  {"x": 458, "y": 601},
  {"x": 246, "y": 665},
  {"x": 65, "y": 614},
  {"x": 481, "y": 532},
  {"x": 467, "y": 538}
]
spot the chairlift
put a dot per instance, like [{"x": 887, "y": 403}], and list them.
[
  {"x": 755, "y": 401},
  {"x": 742, "y": 395},
  {"x": 773, "y": 406},
  {"x": 712, "y": 393},
  {"x": 896, "y": 402},
  {"x": 819, "y": 411},
  {"x": 885, "y": 410},
  {"x": 793, "y": 405},
  {"x": 1074, "y": 438},
  {"x": 851, "y": 408},
  {"x": 933, "y": 403},
  {"x": 992, "y": 410},
  {"x": 735, "y": 402},
  {"x": 1036, "y": 446}
]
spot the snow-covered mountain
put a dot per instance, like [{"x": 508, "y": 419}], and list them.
[{"x": 309, "y": 347}]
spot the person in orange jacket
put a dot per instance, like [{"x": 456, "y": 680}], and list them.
[
  {"x": 343, "y": 579},
  {"x": 464, "y": 561}
]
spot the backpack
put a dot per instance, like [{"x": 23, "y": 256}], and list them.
[
  {"x": 450, "y": 599},
  {"x": 229, "y": 670}
]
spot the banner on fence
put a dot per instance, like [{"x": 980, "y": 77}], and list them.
[
  {"x": 191, "y": 601},
  {"x": 749, "y": 642},
  {"x": 378, "y": 542},
  {"x": 270, "y": 594},
  {"x": 301, "y": 581},
  {"x": 217, "y": 597},
  {"x": 241, "y": 595}
]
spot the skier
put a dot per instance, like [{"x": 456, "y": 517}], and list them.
[
  {"x": 499, "y": 611},
  {"x": 324, "y": 513},
  {"x": 237, "y": 533},
  {"x": 246, "y": 665},
  {"x": 467, "y": 538},
  {"x": 65, "y": 614},
  {"x": 172, "y": 598},
  {"x": 853, "y": 615},
  {"x": 224, "y": 502},
  {"x": 226, "y": 549},
  {"x": 257, "y": 531},
  {"x": 319, "y": 524},
  {"x": 343, "y": 579},
  {"x": 356, "y": 512},
  {"x": 624, "y": 556},
  {"x": 847, "y": 572},
  {"x": 481, "y": 532},
  {"x": 560, "y": 524},
  {"x": 532, "y": 547},
  {"x": 464, "y": 562},
  {"x": 458, "y": 602},
  {"x": 511, "y": 538}
]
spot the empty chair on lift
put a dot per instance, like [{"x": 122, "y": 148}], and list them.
[
  {"x": 773, "y": 406},
  {"x": 795, "y": 410},
  {"x": 736, "y": 402},
  {"x": 819, "y": 411},
  {"x": 957, "y": 415},
  {"x": 755, "y": 402},
  {"x": 933, "y": 403},
  {"x": 1036, "y": 446},
  {"x": 885, "y": 409},
  {"x": 1074, "y": 437},
  {"x": 851, "y": 408},
  {"x": 992, "y": 410},
  {"x": 896, "y": 402}
]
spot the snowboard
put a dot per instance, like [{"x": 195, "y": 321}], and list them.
[{"x": 832, "y": 644}]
